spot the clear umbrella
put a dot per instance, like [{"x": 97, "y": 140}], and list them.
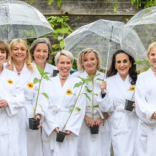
[
  {"x": 144, "y": 23},
  {"x": 106, "y": 37},
  {"x": 21, "y": 20}
]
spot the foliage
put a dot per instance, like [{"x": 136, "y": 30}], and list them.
[
  {"x": 44, "y": 75},
  {"x": 50, "y": 2},
  {"x": 145, "y": 63}
]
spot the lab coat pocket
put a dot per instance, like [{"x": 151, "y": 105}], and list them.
[{"x": 121, "y": 122}]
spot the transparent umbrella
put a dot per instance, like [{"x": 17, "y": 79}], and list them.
[
  {"x": 21, "y": 20},
  {"x": 106, "y": 37},
  {"x": 144, "y": 23}
]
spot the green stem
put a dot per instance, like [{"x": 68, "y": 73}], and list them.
[
  {"x": 132, "y": 96},
  {"x": 37, "y": 96},
  {"x": 93, "y": 99},
  {"x": 73, "y": 108}
]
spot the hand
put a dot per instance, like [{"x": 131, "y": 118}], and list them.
[
  {"x": 103, "y": 86},
  {"x": 89, "y": 121},
  {"x": 133, "y": 105},
  {"x": 8, "y": 66},
  {"x": 56, "y": 129},
  {"x": 38, "y": 116},
  {"x": 3, "y": 103},
  {"x": 99, "y": 121},
  {"x": 154, "y": 115},
  {"x": 68, "y": 132}
]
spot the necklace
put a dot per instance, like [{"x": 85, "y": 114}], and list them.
[{"x": 63, "y": 77}]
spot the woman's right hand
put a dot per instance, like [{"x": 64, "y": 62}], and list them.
[
  {"x": 89, "y": 121},
  {"x": 103, "y": 86},
  {"x": 56, "y": 129},
  {"x": 154, "y": 115}
]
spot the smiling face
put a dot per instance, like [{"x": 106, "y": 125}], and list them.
[
  {"x": 3, "y": 56},
  {"x": 122, "y": 64},
  {"x": 89, "y": 63},
  {"x": 152, "y": 58},
  {"x": 64, "y": 65},
  {"x": 18, "y": 52},
  {"x": 40, "y": 53}
]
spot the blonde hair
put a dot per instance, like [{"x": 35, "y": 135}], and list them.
[
  {"x": 65, "y": 53},
  {"x": 81, "y": 58},
  {"x": 12, "y": 44},
  {"x": 4, "y": 47},
  {"x": 152, "y": 45}
]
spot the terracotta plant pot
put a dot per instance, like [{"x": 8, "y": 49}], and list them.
[
  {"x": 60, "y": 136},
  {"x": 128, "y": 105},
  {"x": 94, "y": 130},
  {"x": 33, "y": 124}
]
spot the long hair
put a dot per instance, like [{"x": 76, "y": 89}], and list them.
[
  {"x": 5, "y": 47},
  {"x": 12, "y": 44},
  {"x": 132, "y": 71}
]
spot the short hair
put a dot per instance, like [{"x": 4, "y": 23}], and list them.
[
  {"x": 65, "y": 53},
  {"x": 4, "y": 47},
  {"x": 81, "y": 58},
  {"x": 152, "y": 45},
  {"x": 36, "y": 42},
  {"x": 13, "y": 43}
]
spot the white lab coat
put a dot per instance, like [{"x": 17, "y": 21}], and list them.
[
  {"x": 145, "y": 107},
  {"x": 9, "y": 129},
  {"x": 123, "y": 123},
  {"x": 94, "y": 144}
]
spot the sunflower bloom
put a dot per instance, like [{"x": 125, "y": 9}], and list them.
[
  {"x": 68, "y": 92},
  {"x": 132, "y": 88},
  {"x": 10, "y": 81},
  {"x": 30, "y": 85}
]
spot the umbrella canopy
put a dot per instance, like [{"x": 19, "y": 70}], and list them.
[
  {"x": 106, "y": 37},
  {"x": 21, "y": 20},
  {"x": 144, "y": 23}
]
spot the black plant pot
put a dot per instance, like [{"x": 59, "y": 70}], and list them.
[
  {"x": 128, "y": 105},
  {"x": 33, "y": 124},
  {"x": 60, "y": 136},
  {"x": 94, "y": 130}
]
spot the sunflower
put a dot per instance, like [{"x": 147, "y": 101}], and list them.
[
  {"x": 68, "y": 92},
  {"x": 132, "y": 88},
  {"x": 30, "y": 85},
  {"x": 10, "y": 81}
]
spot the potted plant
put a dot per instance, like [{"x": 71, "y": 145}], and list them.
[
  {"x": 33, "y": 123},
  {"x": 61, "y": 135},
  {"x": 129, "y": 103},
  {"x": 95, "y": 128}
]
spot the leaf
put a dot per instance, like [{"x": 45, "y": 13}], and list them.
[
  {"x": 45, "y": 95},
  {"x": 100, "y": 79},
  {"x": 78, "y": 85},
  {"x": 59, "y": 2},
  {"x": 95, "y": 94},
  {"x": 70, "y": 110},
  {"x": 88, "y": 106},
  {"x": 46, "y": 78},
  {"x": 88, "y": 90},
  {"x": 96, "y": 106},
  {"x": 36, "y": 80},
  {"x": 87, "y": 96},
  {"x": 60, "y": 38},
  {"x": 50, "y": 1},
  {"x": 78, "y": 109},
  {"x": 41, "y": 71},
  {"x": 46, "y": 73},
  {"x": 62, "y": 44},
  {"x": 81, "y": 78},
  {"x": 87, "y": 80}
]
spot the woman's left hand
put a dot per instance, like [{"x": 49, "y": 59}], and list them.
[
  {"x": 38, "y": 116},
  {"x": 3, "y": 103},
  {"x": 68, "y": 132},
  {"x": 99, "y": 121}
]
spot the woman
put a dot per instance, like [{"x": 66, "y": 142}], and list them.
[
  {"x": 146, "y": 106},
  {"x": 62, "y": 97},
  {"x": 92, "y": 144},
  {"x": 11, "y": 102},
  {"x": 29, "y": 140},
  {"x": 40, "y": 51},
  {"x": 123, "y": 124}
]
